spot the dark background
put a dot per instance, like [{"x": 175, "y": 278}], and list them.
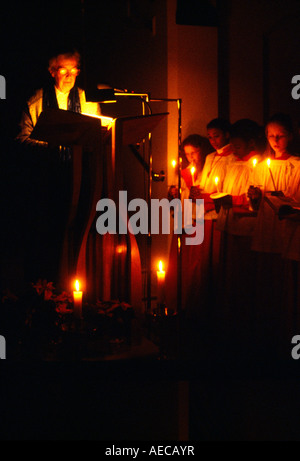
[{"x": 227, "y": 401}]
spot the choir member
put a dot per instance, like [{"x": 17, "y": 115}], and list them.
[
  {"x": 236, "y": 223},
  {"x": 195, "y": 149},
  {"x": 269, "y": 241},
  {"x": 218, "y": 132},
  {"x": 274, "y": 174}
]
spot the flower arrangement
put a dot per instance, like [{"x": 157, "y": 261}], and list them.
[{"x": 43, "y": 318}]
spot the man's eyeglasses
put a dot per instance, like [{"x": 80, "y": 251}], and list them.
[{"x": 63, "y": 71}]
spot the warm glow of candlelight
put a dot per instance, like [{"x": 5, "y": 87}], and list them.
[
  {"x": 77, "y": 295},
  {"x": 174, "y": 163},
  {"x": 77, "y": 285},
  {"x": 193, "y": 170},
  {"x": 161, "y": 275},
  {"x": 217, "y": 182},
  {"x": 254, "y": 162},
  {"x": 269, "y": 163},
  {"x": 160, "y": 266}
]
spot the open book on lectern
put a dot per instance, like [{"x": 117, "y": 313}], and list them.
[
  {"x": 60, "y": 127},
  {"x": 65, "y": 128}
]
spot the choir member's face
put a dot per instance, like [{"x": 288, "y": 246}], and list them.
[
  {"x": 278, "y": 137},
  {"x": 193, "y": 154},
  {"x": 241, "y": 147},
  {"x": 65, "y": 73},
  {"x": 217, "y": 138}
]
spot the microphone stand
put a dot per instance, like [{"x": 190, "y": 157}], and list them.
[{"x": 179, "y": 241}]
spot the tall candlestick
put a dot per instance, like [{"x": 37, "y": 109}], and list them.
[
  {"x": 161, "y": 276},
  {"x": 77, "y": 296},
  {"x": 271, "y": 174}
]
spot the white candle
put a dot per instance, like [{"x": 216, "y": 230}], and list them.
[
  {"x": 77, "y": 296},
  {"x": 272, "y": 177},
  {"x": 217, "y": 183},
  {"x": 161, "y": 276}
]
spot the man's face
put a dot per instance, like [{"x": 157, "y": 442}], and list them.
[{"x": 65, "y": 73}]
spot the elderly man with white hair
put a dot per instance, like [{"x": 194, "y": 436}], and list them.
[{"x": 62, "y": 93}]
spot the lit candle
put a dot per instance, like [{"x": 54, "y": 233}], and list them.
[
  {"x": 77, "y": 295},
  {"x": 217, "y": 183},
  {"x": 254, "y": 162},
  {"x": 272, "y": 177},
  {"x": 174, "y": 165},
  {"x": 161, "y": 276},
  {"x": 193, "y": 170}
]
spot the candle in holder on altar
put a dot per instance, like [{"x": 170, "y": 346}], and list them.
[
  {"x": 77, "y": 296},
  {"x": 272, "y": 177},
  {"x": 161, "y": 276}
]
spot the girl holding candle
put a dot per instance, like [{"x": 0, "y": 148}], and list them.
[
  {"x": 270, "y": 235},
  {"x": 206, "y": 260},
  {"x": 195, "y": 149},
  {"x": 274, "y": 174}
]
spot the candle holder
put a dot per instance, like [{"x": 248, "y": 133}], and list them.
[
  {"x": 221, "y": 199},
  {"x": 277, "y": 193},
  {"x": 161, "y": 310},
  {"x": 255, "y": 196}
]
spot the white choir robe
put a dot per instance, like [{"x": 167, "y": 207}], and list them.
[
  {"x": 215, "y": 166},
  {"x": 269, "y": 230},
  {"x": 239, "y": 177},
  {"x": 291, "y": 244}
]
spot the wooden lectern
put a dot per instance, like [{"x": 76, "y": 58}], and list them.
[{"x": 108, "y": 266}]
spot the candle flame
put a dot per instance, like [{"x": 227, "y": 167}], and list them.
[
  {"x": 174, "y": 163},
  {"x": 193, "y": 169},
  {"x": 269, "y": 162},
  {"x": 77, "y": 285},
  {"x": 254, "y": 162},
  {"x": 160, "y": 266},
  {"x": 216, "y": 180}
]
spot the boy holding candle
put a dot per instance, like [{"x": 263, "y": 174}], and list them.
[
  {"x": 245, "y": 139},
  {"x": 237, "y": 224},
  {"x": 218, "y": 132}
]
